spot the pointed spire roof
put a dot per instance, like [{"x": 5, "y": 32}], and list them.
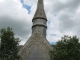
[{"x": 40, "y": 13}]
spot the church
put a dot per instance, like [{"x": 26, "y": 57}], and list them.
[{"x": 37, "y": 47}]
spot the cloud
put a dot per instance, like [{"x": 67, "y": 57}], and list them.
[
  {"x": 17, "y": 26},
  {"x": 63, "y": 17},
  {"x": 26, "y": 6},
  {"x": 12, "y": 14},
  {"x": 69, "y": 5},
  {"x": 66, "y": 22}
]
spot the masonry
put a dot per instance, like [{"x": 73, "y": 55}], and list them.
[{"x": 37, "y": 47}]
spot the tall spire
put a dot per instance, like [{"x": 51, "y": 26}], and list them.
[
  {"x": 39, "y": 19},
  {"x": 40, "y": 13},
  {"x": 37, "y": 47}
]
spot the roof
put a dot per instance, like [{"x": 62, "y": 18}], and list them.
[
  {"x": 37, "y": 40},
  {"x": 40, "y": 13}
]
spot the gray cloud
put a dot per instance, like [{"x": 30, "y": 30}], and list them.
[
  {"x": 69, "y": 5},
  {"x": 21, "y": 28},
  {"x": 13, "y": 15},
  {"x": 62, "y": 14},
  {"x": 67, "y": 20}
]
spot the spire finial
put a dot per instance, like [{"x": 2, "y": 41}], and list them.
[{"x": 40, "y": 13}]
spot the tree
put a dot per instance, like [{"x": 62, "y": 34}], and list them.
[
  {"x": 0, "y": 43},
  {"x": 9, "y": 45},
  {"x": 68, "y": 48}
]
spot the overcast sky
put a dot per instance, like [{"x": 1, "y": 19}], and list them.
[{"x": 63, "y": 17}]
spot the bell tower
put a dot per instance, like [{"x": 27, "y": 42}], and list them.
[{"x": 39, "y": 20}]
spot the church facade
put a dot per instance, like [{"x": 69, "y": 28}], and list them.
[{"x": 37, "y": 47}]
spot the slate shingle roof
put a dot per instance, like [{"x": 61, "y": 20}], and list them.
[
  {"x": 36, "y": 40},
  {"x": 40, "y": 13}
]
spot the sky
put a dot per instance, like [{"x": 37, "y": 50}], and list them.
[{"x": 63, "y": 18}]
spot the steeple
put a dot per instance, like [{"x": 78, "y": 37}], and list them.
[
  {"x": 39, "y": 19},
  {"x": 40, "y": 13},
  {"x": 37, "y": 47}
]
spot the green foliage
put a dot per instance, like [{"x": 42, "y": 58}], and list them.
[
  {"x": 68, "y": 48},
  {"x": 9, "y": 44},
  {"x": 0, "y": 43}
]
